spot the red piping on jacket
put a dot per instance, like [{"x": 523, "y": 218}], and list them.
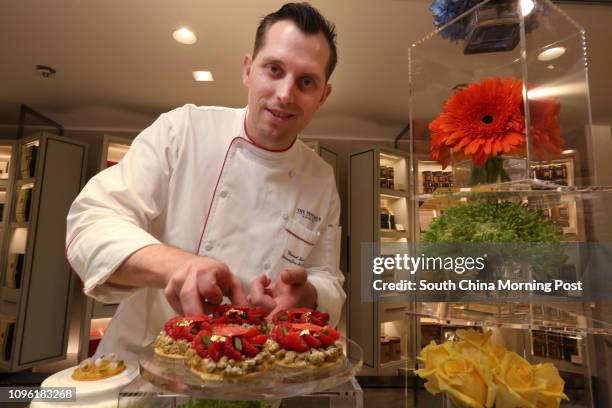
[
  {"x": 298, "y": 237},
  {"x": 250, "y": 140}
]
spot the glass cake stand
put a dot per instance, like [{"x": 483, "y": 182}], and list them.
[{"x": 274, "y": 383}]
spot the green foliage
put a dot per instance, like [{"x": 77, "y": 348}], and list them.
[
  {"x": 502, "y": 229},
  {"x": 492, "y": 221},
  {"x": 203, "y": 403}
]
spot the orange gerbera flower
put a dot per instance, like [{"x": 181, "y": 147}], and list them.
[
  {"x": 545, "y": 129},
  {"x": 482, "y": 120}
]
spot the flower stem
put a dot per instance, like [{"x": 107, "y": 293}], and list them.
[{"x": 491, "y": 172}]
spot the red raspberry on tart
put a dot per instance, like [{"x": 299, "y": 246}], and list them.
[
  {"x": 229, "y": 350},
  {"x": 175, "y": 340},
  {"x": 306, "y": 345},
  {"x": 301, "y": 315},
  {"x": 230, "y": 314}
]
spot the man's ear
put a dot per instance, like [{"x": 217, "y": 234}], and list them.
[
  {"x": 326, "y": 92},
  {"x": 246, "y": 69}
]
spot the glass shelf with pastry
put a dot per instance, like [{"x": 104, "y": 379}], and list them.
[{"x": 236, "y": 353}]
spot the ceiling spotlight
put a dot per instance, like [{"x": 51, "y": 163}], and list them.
[
  {"x": 203, "y": 76},
  {"x": 551, "y": 54},
  {"x": 184, "y": 36},
  {"x": 45, "y": 71},
  {"x": 526, "y": 7},
  {"x": 551, "y": 66}
]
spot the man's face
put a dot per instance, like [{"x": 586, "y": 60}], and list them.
[{"x": 287, "y": 85}]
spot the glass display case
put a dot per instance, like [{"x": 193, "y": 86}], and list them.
[
  {"x": 142, "y": 393},
  {"x": 500, "y": 140}
]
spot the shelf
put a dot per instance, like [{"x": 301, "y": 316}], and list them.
[
  {"x": 102, "y": 310},
  {"x": 21, "y": 182},
  {"x": 390, "y": 364},
  {"x": 562, "y": 365},
  {"x": 391, "y": 157},
  {"x": 388, "y": 193},
  {"x": 393, "y": 234},
  {"x": 571, "y": 318},
  {"x": 19, "y": 224},
  {"x": 10, "y": 295},
  {"x": 4, "y": 183},
  {"x": 8, "y": 309}
]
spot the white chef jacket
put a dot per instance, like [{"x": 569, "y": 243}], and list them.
[{"x": 194, "y": 180}]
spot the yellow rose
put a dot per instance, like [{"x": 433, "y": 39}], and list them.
[
  {"x": 475, "y": 337},
  {"x": 446, "y": 370},
  {"x": 522, "y": 385},
  {"x": 477, "y": 347}
]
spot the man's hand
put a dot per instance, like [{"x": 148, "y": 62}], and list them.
[
  {"x": 291, "y": 289},
  {"x": 199, "y": 284}
]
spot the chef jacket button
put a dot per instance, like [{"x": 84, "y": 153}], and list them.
[
  {"x": 266, "y": 266},
  {"x": 285, "y": 216},
  {"x": 208, "y": 247},
  {"x": 223, "y": 193}
]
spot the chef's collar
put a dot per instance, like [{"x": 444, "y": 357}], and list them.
[{"x": 262, "y": 150}]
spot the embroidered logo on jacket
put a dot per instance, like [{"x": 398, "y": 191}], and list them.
[
  {"x": 307, "y": 215},
  {"x": 295, "y": 259}
]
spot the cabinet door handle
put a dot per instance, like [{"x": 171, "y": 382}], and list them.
[{"x": 395, "y": 309}]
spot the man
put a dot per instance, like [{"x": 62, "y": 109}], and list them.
[{"x": 215, "y": 202}]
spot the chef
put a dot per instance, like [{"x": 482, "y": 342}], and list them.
[{"x": 212, "y": 203}]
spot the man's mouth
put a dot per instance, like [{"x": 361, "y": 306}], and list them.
[{"x": 280, "y": 114}]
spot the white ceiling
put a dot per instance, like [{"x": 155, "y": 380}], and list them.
[{"x": 118, "y": 66}]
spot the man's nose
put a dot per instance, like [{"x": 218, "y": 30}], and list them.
[{"x": 285, "y": 90}]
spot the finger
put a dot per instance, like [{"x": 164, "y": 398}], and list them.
[
  {"x": 258, "y": 293},
  {"x": 294, "y": 276},
  {"x": 173, "y": 298},
  {"x": 257, "y": 289},
  {"x": 237, "y": 295},
  {"x": 209, "y": 290},
  {"x": 191, "y": 302},
  {"x": 230, "y": 285},
  {"x": 280, "y": 306}
]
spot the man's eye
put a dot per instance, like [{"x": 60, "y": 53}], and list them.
[
  {"x": 274, "y": 69},
  {"x": 307, "y": 82}
]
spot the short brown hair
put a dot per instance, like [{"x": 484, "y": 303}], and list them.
[{"x": 309, "y": 21}]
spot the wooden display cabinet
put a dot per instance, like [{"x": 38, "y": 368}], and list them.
[
  {"x": 379, "y": 219},
  {"x": 45, "y": 174}
]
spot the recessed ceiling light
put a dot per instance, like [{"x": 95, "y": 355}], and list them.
[
  {"x": 527, "y": 7},
  {"x": 203, "y": 76},
  {"x": 184, "y": 36},
  {"x": 551, "y": 66},
  {"x": 551, "y": 53}
]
